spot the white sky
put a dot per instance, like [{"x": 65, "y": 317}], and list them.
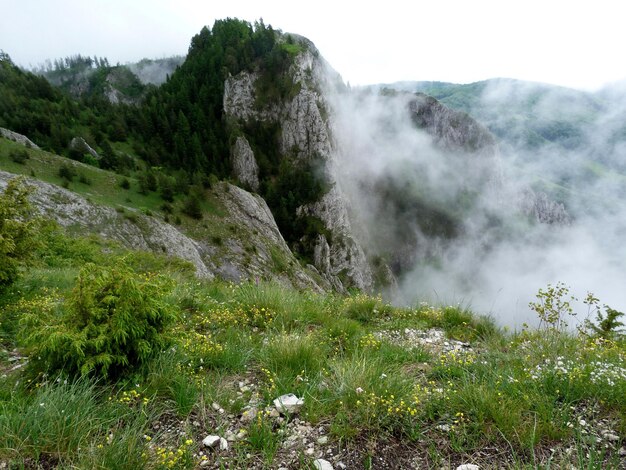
[{"x": 572, "y": 43}]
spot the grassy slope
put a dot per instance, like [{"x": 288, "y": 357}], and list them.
[
  {"x": 508, "y": 401},
  {"x": 103, "y": 187}
]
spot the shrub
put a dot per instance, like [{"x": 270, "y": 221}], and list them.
[
  {"x": 113, "y": 320},
  {"x": 84, "y": 179},
  {"x": 17, "y": 230},
  {"x": 125, "y": 184},
  {"x": 193, "y": 206},
  {"x": 67, "y": 172},
  {"x": 19, "y": 156}
]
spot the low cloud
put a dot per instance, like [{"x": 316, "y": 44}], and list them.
[{"x": 499, "y": 257}]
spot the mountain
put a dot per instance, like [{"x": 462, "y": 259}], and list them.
[
  {"x": 86, "y": 77},
  {"x": 521, "y": 114},
  {"x": 186, "y": 277},
  {"x": 264, "y": 109}
]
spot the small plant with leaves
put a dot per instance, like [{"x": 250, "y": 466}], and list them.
[
  {"x": 554, "y": 306},
  {"x": 67, "y": 172},
  {"x": 607, "y": 324}
]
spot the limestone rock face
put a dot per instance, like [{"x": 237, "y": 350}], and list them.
[
  {"x": 239, "y": 96},
  {"x": 321, "y": 260},
  {"x": 542, "y": 208},
  {"x": 451, "y": 130},
  {"x": 252, "y": 211},
  {"x": 19, "y": 138},
  {"x": 454, "y": 132},
  {"x": 244, "y": 164},
  {"x": 256, "y": 249},
  {"x": 78, "y": 144},
  {"x": 344, "y": 259},
  {"x": 305, "y": 136},
  {"x": 304, "y": 130}
]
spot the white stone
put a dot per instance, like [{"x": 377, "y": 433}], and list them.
[
  {"x": 288, "y": 403},
  {"x": 79, "y": 144},
  {"x": 213, "y": 442},
  {"x": 468, "y": 466},
  {"x": 322, "y": 440},
  {"x": 321, "y": 464},
  {"x": 248, "y": 415}
]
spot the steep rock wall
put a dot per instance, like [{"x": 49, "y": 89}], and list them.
[{"x": 305, "y": 135}]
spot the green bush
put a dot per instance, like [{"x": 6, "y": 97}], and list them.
[
  {"x": 67, "y": 172},
  {"x": 113, "y": 320},
  {"x": 125, "y": 184},
  {"x": 17, "y": 230},
  {"x": 193, "y": 205},
  {"x": 19, "y": 156}
]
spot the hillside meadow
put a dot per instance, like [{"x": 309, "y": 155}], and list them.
[{"x": 122, "y": 359}]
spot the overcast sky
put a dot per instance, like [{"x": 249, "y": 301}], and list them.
[{"x": 571, "y": 43}]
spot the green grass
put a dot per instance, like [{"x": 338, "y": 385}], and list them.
[
  {"x": 522, "y": 393},
  {"x": 104, "y": 186}
]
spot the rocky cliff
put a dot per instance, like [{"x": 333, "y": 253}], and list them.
[
  {"x": 304, "y": 136},
  {"x": 353, "y": 248},
  {"x": 252, "y": 249}
]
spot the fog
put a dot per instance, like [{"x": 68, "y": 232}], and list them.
[
  {"x": 156, "y": 71},
  {"x": 500, "y": 253}
]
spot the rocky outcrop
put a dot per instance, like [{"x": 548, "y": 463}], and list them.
[
  {"x": 239, "y": 97},
  {"x": 251, "y": 248},
  {"x": 543, "y": 209},
  {"x": 19, "y": 138},
  {"x": 451, "y": 130},
  {"x": 305, "y": 136},
  {"x": 79, "y": 145},
  {"x": 255, "y": 248},
  {"x": 304, "y": 131},
  {"x": 456, "y": 132},
  {"x": 344, "y": 258},
  {"x": 244, "y": 164},
  {"x": 130, "y": 228},
  {"x": 118, "y": 85}
]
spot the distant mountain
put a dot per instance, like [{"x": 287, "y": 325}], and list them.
[
  {"x": 522, "y": 114},
  {"x": 87, "y": 77}
]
